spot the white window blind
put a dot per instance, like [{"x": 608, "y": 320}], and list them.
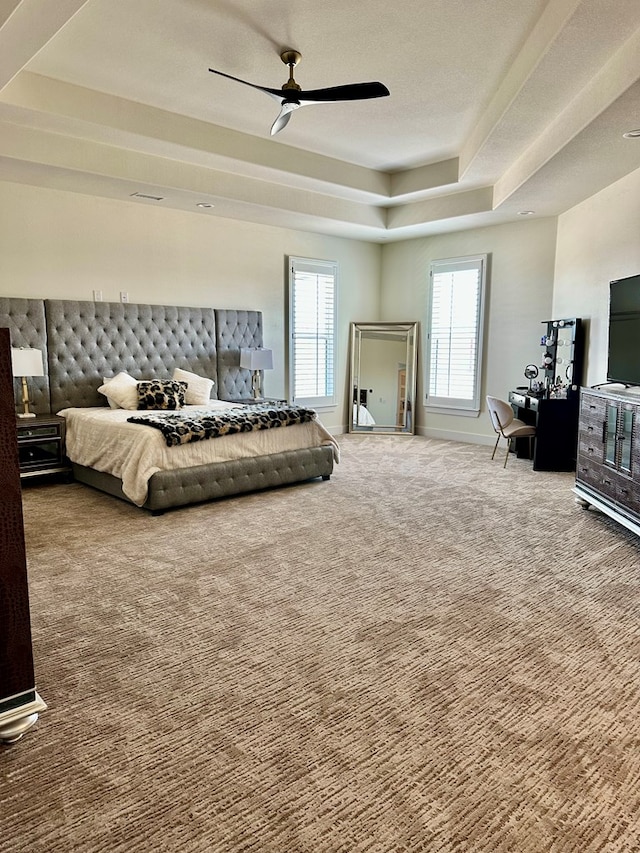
[
  {"x": 312, "y": 322},
  {"x": 455, "y": 333}
]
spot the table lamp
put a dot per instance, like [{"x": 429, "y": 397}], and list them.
[
  {"x": 25, "y": 362},
  {"x": 256, "y": 359}
]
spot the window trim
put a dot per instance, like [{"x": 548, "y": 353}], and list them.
[
  {"x": 319, "y": 266},
  {"x": 452, "y": 405}
]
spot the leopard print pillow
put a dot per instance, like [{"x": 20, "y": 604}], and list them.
[{"x": 161, "y": 394}]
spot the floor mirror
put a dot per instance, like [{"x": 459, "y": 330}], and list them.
[{"x": 383, "y": 363}]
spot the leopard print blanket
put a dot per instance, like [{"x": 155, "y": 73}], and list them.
[{"x": 183, "y": 427}]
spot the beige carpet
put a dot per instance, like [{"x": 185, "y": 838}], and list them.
[{"x": 427, "y": 653}]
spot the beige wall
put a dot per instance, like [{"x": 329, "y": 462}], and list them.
[
  {"x": 55, "y": 244},
  {"x": 519, "y": 298},
  {"x": 598, "y": 241},
  {"x": 64, "y": 245}
]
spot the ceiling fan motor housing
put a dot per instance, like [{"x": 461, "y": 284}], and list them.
[{"x": 291, "y": 58}]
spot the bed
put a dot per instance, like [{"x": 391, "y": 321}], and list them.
[
  {"x": 88, "y": 342},
  {"x": 362, "y": 416},
  {"x": 133, "y": 460}
]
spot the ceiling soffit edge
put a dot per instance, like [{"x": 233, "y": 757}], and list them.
[{"x": 104, "y": 117}]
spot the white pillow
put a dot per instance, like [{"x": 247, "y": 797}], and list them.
[
  {"x": 122, "y": 391},
  {"x": 112, "y": 403},
  {"x": 198, "y": 387}
]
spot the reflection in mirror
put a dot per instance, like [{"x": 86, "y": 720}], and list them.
[{"x": 383, "y": 377}]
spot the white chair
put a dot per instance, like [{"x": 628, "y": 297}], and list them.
[{"x": 507, "y": 426}]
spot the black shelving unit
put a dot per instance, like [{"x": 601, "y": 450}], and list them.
[{"x": 553, "y": 408}]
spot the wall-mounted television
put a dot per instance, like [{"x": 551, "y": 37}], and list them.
[{"x": 624, "y": 331}]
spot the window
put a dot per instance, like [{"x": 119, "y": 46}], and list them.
[
  {"x": 454, "y": 334},
  {"x": 312, "y": 331}
]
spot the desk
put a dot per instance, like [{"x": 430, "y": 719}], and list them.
[{"x": 556, "y": 423}]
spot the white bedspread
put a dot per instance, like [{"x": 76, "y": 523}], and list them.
[
  {"x": 101, "y": 438},
  {"x": 362, "y": 416}
]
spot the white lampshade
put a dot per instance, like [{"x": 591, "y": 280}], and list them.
[
  {"x": 256, "y": 359},
  {"x": 26, "y": 361}
]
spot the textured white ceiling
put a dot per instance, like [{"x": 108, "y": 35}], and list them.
[{"x": 495, "y": 107}]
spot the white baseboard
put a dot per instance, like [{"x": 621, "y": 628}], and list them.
[
  {"x": 445, "y": 434},
  {"x": 453, "y": 435}
]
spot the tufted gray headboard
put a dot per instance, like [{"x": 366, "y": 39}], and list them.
[
  {"x": 234, "y": 330},
  {"x": 86, "y": 341},
  {"x": 26, "y": 322},
  {"x": 90, "y": 340}
]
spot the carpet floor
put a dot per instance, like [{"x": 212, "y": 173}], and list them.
[{"x": 429, "y": 652}]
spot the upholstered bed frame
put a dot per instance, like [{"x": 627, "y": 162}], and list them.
[{"x": 86, "y": 341}]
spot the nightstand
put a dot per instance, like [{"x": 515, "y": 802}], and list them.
[{"x": 41, "y": 446}]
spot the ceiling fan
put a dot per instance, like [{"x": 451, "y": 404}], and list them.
[{"x": 291, "y": 96}]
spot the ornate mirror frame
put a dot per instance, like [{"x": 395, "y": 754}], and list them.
[{"x": 383, "y": 365}]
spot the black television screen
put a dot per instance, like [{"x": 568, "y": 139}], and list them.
[{"x": 624, "y": 331}]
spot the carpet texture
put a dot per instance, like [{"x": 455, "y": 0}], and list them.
[{"x": 427, "y": 653}]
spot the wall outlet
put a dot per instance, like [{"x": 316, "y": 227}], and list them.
[
  {"x": 124, "y": 296},
  {"x": 97, "y": 296}
]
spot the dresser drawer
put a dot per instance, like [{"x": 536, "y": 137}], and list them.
[
  {"x": 598, "y": 476},
  {"x": 592, "y": 430},
  {"x": 39, "y": 454},
  {"x": 628, "y": 495},
  {"x": 590, "y": 450},
  {"x": 38, "y": 432},
  {"x": 592, "y": 407}
]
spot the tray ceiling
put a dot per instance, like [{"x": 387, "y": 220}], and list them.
[{"x": 496, "y": 107}]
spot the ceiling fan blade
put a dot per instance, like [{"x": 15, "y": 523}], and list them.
[
  {"x": 350, "y": 92},
  {"x": 291, "y": 96},
  {"x": 274, "y": 93},
  {"x": 283, "y": 117}
]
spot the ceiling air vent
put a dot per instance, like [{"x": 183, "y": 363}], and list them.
[{"x": 151, "y": 197}]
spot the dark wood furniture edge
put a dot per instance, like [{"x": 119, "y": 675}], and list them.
[{"x": 19, "y": 702}]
